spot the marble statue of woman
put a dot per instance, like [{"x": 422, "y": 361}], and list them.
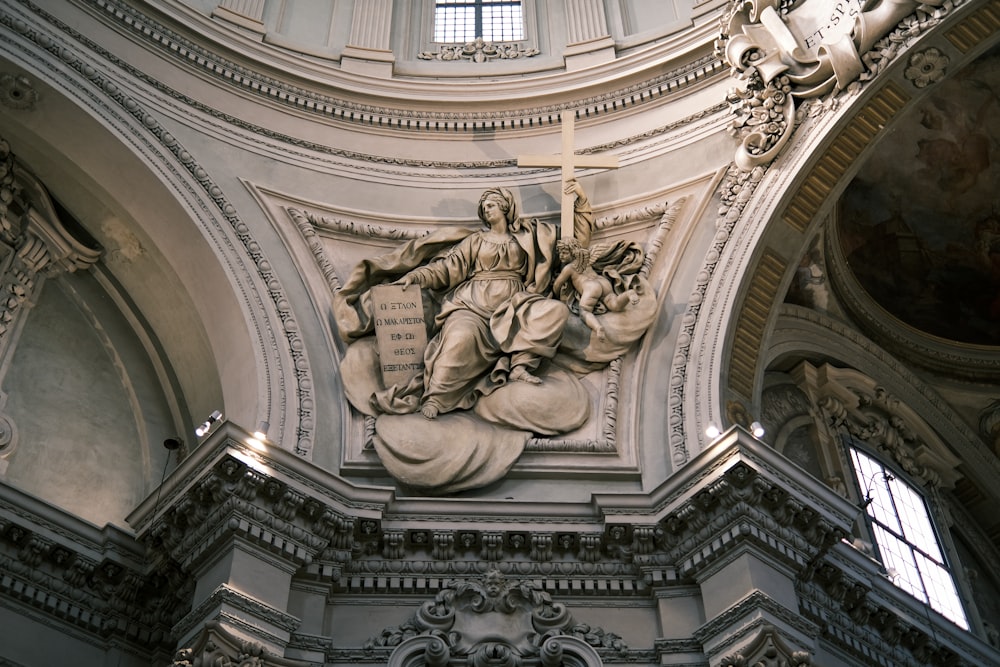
[
  {"x": 495, "y": 322},
  {"x": 504, "y": 354}
]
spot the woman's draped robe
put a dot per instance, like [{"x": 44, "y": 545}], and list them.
[
  {"x": 492, "y": 320},
  {"x": 494, "y": 314}
]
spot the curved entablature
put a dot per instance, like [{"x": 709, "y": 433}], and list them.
[{"x": 415, "y": 103}]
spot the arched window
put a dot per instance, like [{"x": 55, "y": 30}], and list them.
[
  {"x": 904, "y": 536},
  {"x": 462, "y": 21}
]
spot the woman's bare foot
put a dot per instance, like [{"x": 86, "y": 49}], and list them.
[
  {"x": 430, "y": 411},
  {"x": 521, "y": 374}
]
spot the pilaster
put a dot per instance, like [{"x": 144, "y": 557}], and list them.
[
  {"x": 247, "y": 14},
  {"x": 589, "y": 42},
  {"x": 242, "y": 522},
  {"x": 368, "y": 49}
]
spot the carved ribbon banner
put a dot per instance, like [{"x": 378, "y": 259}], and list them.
[{"x": 810, "y": 50}]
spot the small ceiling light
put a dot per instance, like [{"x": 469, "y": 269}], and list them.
[
  {"x": 207, "y": 426},
  {"x": 757, "y": 429},
  {"x": 712, "y": 431}
]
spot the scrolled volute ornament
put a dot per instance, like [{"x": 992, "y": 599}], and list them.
[
  {"x": 493, "y": 622},
  {"x": 800, "y": 50}
]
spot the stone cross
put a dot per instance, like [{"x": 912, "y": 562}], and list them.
[{"x": 568, "y": 162}]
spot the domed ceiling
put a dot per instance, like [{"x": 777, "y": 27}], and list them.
[{"x": 919, "y": 227}]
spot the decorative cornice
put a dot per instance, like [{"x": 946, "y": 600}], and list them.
[
  {"x": 236, "y": 491},
  {"x": 98, "y": 587},
  {"x": 868, "y": 616},
  {"x": 175, "y": 46},
  {"x": 249, "y": 606}
]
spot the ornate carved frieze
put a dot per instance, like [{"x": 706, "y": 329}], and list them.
[
  {"x": 745, "y": 496},
  {"x": 493, "y": 621},
  {"x": 479, "y": 51},
  {"x": 94, "y": 584}
]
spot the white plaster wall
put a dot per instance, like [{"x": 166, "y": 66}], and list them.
[{"x": 89, "y": 410}]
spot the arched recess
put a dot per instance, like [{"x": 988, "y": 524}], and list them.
[
  {"x": 780, "y": 207},
  {"x": 174, "y": 243},
  {"x": 805, "y": 335},
  {"x": 840, "y": 389}
]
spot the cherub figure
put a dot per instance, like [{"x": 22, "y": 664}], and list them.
[{"x": 591, "y": 287}]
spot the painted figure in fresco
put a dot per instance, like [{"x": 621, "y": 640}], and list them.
[
  {"x": 495, "y": 320},
  {"x": 592, "y": 289}
]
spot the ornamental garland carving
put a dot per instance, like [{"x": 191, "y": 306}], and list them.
[{"x": 479, "y": 51}]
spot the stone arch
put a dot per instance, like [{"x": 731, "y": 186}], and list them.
[
  {"x": 776, "y": 214},
  {"x": 177, "y": 245}
]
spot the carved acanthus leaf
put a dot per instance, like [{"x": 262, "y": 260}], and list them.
[
  {"x": 782, "y": 51},
  {"x": 479, "y": 51}
]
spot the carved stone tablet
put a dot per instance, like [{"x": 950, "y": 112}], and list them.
[{"x": 399, "y": 331}]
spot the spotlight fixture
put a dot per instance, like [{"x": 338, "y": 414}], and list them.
[
  {"x": 712, "y": 431},
  {"x": 757, "y": 429},
  {"x": 173, "y": 443},
  {"x": 207, "y": 426}
]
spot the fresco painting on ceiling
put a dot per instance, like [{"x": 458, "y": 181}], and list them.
[{"x": 920, "y": 224}]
